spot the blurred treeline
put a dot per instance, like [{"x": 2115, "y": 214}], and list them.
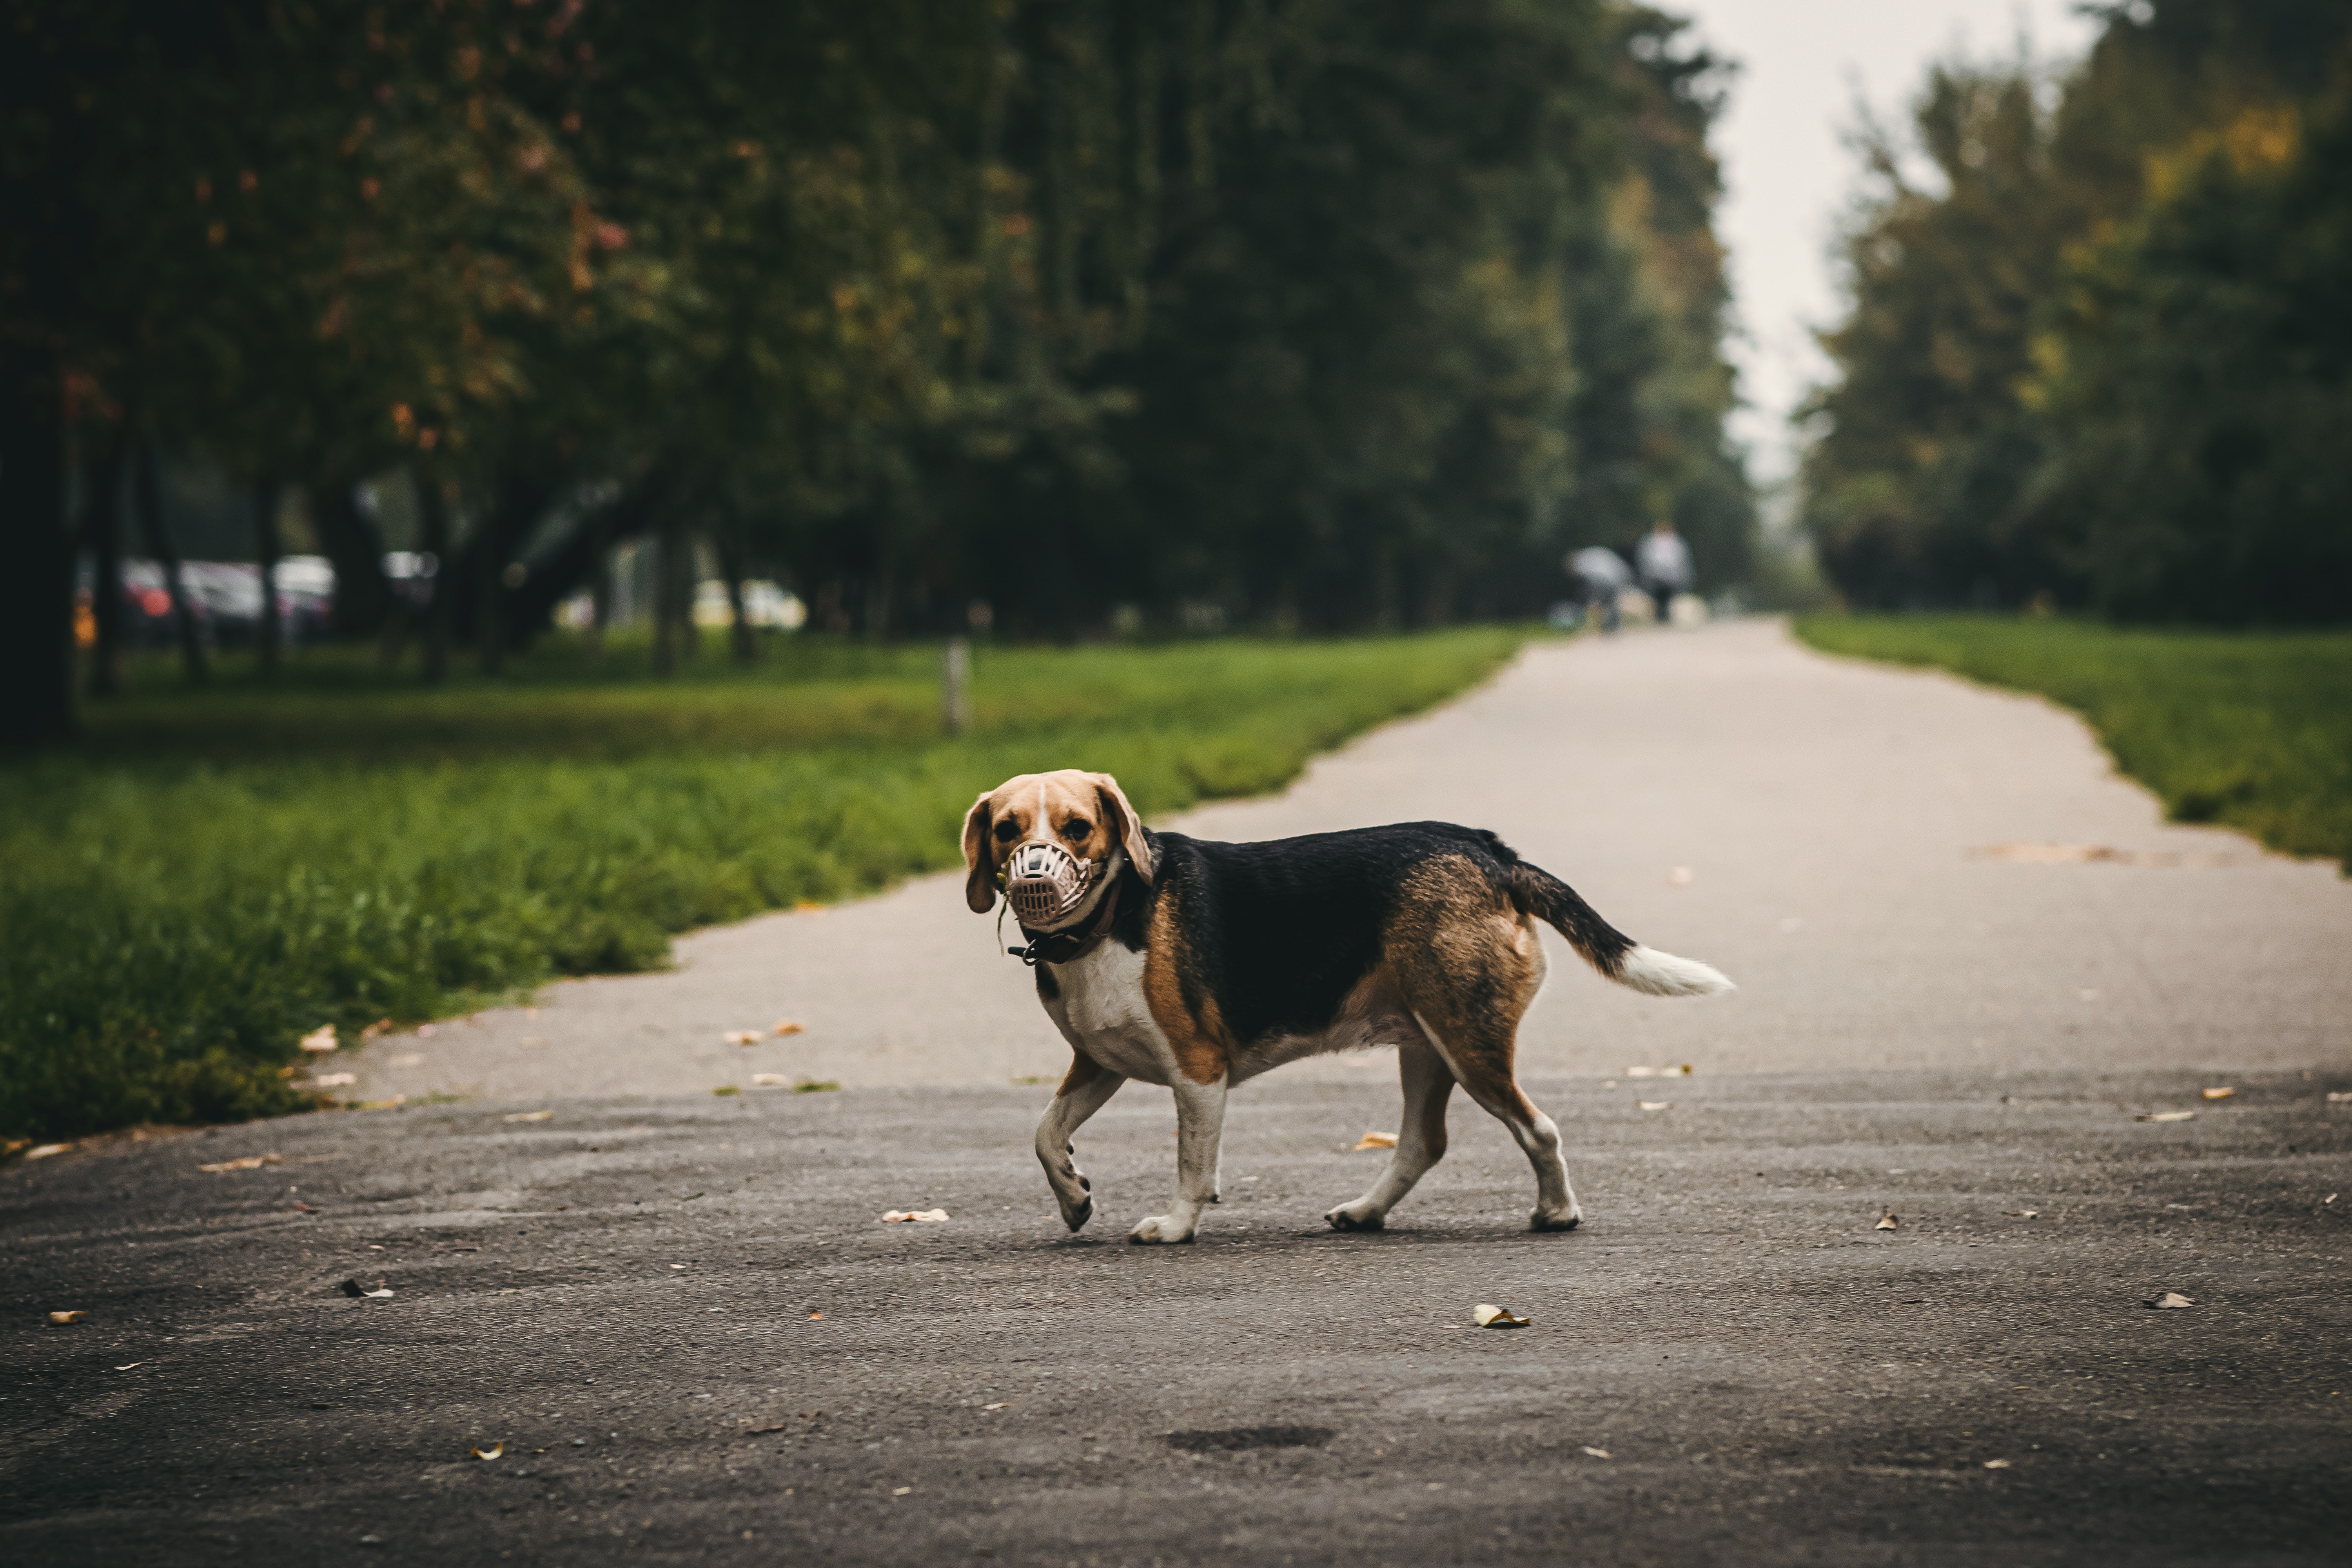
[
  {"x": 2103, "y": 354},
  {"x": 1314, "y": 313}
]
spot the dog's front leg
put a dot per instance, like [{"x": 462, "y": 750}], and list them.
[
  {"x": 1200, "y": 1127},
  {"x": 1083, "y": 1092}
]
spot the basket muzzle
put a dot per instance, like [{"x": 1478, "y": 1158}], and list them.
[{"x": 1044, "y": 882}]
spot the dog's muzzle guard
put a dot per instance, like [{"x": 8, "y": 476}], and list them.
[{"x": 1043, "y": 882}]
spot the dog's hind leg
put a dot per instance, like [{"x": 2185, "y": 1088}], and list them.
[
  {"x": 1421, "y": 1138},
  {"x": 1469, "y": 964},
  {"x": 1482, "y": 1064},
  {"x": 1084, "y": 1090}
]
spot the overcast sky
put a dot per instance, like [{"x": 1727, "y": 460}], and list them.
[{"x": 1788, "y": 172}]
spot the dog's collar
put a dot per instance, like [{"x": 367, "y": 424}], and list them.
[{"x": 1070, "y": 946}]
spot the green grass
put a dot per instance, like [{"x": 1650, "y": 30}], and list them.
[
  {"x": 2251, "y": 730},
  {"x": 208, "y": 876}
]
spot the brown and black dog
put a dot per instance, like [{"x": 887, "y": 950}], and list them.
[{"x": 1198, "y": 965}]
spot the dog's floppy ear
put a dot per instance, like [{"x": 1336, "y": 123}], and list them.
[
  {"x": 1130, "y": 826},
  {"x": 979, "y": 876}
]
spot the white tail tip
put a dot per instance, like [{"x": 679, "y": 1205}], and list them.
[{"x": 1662, "y": 975}]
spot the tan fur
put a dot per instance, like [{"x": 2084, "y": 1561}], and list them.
[
  {"x": 1470, "y": 966},
  {"x": 1196, "y": 1033},
  {"x": 1083, "y": 1071}
]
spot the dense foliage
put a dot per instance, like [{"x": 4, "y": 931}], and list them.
[
  {"x": 2107, "y": 355},
  {"x": 1328, "y": 313},
  {"x": 2253, "y": 729},
  {"x": 219, "y": 873}
]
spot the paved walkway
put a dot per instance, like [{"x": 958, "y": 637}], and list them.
[
  {"x": 677, "y": 1325},
  {"x": 1834, "y": 819}
]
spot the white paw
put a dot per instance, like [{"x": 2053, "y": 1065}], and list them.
[
  {"x": 1357, "y": 1215},
  {"x": 1161, "y": 1230},
  {"x": 1567, "y": 1218}
]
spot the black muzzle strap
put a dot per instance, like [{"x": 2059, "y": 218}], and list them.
[{"x": 1067, "y": 946}]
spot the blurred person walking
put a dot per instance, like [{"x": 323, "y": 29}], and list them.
[
  {"x": 1600, "y": 574},
  {"x": 1664, "y": 564}
]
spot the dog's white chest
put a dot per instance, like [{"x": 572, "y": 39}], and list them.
[{"x": 1102, "y": 1012}]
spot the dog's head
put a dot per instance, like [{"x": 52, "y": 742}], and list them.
[{"x": 1083, "y": 816}]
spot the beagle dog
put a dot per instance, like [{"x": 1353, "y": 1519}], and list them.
[{"x": 1199, "y": 965}]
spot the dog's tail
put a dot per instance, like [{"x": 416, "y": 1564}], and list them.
[{"x": 1619, "y": 957}]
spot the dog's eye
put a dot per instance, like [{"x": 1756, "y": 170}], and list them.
[
  {"x": 1077, "y": 827},
  {"x": 1007, "y": 831}
]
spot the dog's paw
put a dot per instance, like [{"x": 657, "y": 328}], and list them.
[
  {"x": 1076, "y": 1219},
  {"x": 1541, "y": 1220},
  {"x": 1349, "y": 1216},
  {"x": 1159, "y": 1230}
]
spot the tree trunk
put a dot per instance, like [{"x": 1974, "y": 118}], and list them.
[
  {"x": 670, "y": 575},
  {"x": 363, "y": 596},
  {"x": 742, "y": 641},
  {"x": 106, "y": 566},
  {"x": 432, "y": 514},
  {"x": 270, "y": 636},
  {"x": 600, "y": 582},
  {"x": 490, "y": 570},
  {"x": 36, "y": 581},
  {"x": 149, "y": 508}
]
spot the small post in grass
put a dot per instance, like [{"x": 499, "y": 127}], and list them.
[{"x": 957, "y": 708}]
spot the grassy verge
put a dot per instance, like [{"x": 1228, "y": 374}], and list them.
[
  {"x": 2253, "y": 730},
  {"x": 210, "y": 875}
]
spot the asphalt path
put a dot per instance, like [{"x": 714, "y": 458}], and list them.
[{"x": 678, "y": 1319}]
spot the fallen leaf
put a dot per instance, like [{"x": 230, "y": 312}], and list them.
[
  {"x": 2216, "y": 1093},
  {"x": 321, "y": 1039},
  {"x": 900, "y": 1491},
  {"x": 334, "y": 1080},
  {"x": 744, "y": 1037},
  {"x": 2169, "y": 1300},
  {"x": 62, "y": 1319},
  {"x": 2024, "y": 1213},
  {"x": 814, "y": 1316},
  {"x": 913, "y": 1216},
  {"x": 249, "y": 1162},
  {"x": 767, "y": 1081},
  {"x": 816, "y": 1086},
  {"x": 492, "y": 1452},
  {"x": 1996, "y": 1464},
  {"x": 132, "y": 1364},
  {"x": 1488, "y": 1316},
  {"x": 2166, "y": 1116},
  {"x": 1376, "y": 1141},
  {"x": 528, "y": 1116},
  {"x": 45, "y": 1150},
  {"x": 1887, "y": 1222},
  {"x": 677, "y": 1266},
  {"x": 789, "y": 1027},
  {"x": 2335, "y": 1097},
  {"x": 1653, "y": 1104},
  {"x": 1000, "y": 1404},
  {"x": 725, "y": 1090},
  {"x": 1598, "y": 1453}
]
